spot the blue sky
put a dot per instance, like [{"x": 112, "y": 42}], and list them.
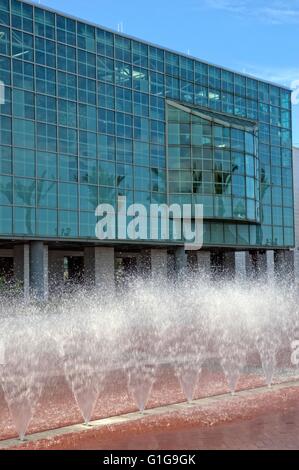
[{"x": 259, "y": 37}]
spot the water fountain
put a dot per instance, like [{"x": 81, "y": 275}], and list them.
[
  {"x": 141, "y": 340},
  {"x": 85, "y": 349},
  {"x": 25, "y": 362},
  {"x": 184, "y": 326},
  {"x": 186, "y": 336}
]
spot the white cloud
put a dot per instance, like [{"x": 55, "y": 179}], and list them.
[
  {"x": 280, "y": 15},
  {"x": 283, "y": 75},
  {"x": 280, "y": 11}
]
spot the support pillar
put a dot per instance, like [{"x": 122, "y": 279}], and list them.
[
  {"x": 159, "y": 263},
  {"x": 242, "y": 264},
  {"x": 270, "y": 264},
  {"x": 181, "y": 260},
  {"x": 38, "y": 270},
  {"x": 99, "y": 268},
  {"x": 21, "y": 267},
  {"x": 204, "y": 263}
]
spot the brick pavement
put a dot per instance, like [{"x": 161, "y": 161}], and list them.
[{"x": 269, "y": 431}]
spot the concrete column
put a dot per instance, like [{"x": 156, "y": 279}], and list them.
[
  {"x": 56, "y": 270},
  {"x": 159, "y": 263},
  {"x": 21, "y": 267},
  {"x": 285, "y": 264},
  {"x": 181, "y": 260},
  {"x": 250, "y": 268},
  {"x": 270, "y": 264},
  {"x": 39, "y": 270},
  {"x": 241, "y": 264},
  {"x": 204, "y": 263},
  {"x": 99, "y": 268}
]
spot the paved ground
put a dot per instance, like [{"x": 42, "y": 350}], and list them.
[
  {"x": 277, "y": 431},
  {"x": 218, "y": 424},
  {"x": 57, "y": 406},
  {"x": 255, "y": 419}
]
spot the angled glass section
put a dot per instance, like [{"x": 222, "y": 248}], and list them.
[{"x": 212, "y": 160}]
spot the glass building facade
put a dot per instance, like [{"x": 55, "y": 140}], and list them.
[{"x": 90, "y": 115}]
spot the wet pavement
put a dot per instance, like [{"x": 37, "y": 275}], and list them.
[
  {"x": 270, "y": 431},
  {"x": 57, "y": 406},
  {"x": 232, "y": 422},
  {"x": 256, "y": 419}
]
